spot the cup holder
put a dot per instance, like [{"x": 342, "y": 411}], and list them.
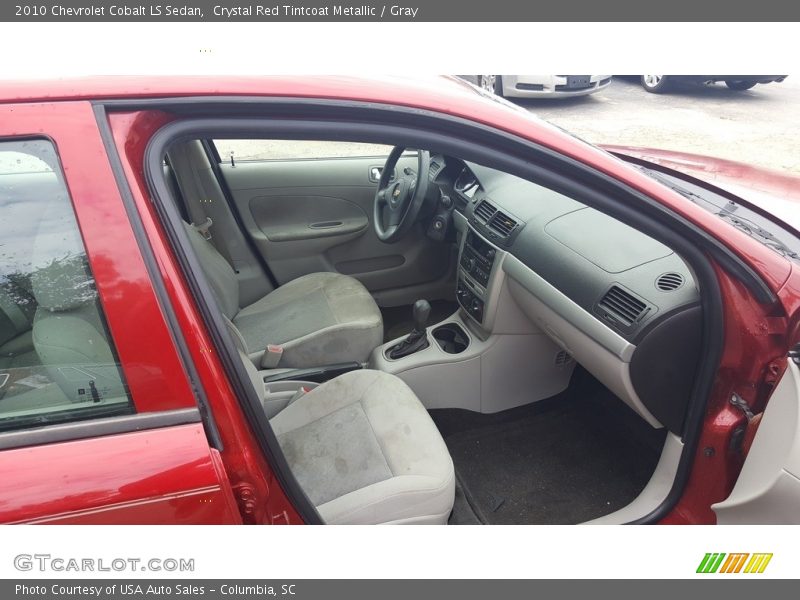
[{"x": 451, "y": 338}]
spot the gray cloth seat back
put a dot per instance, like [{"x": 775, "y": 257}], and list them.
[
  {"x": 318, "y": 319},
  {"x": 69, "y": 332}
]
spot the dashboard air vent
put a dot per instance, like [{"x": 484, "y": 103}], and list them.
[
  {"x": 502, "y": 224},
  {"x": 623, "y": 305},
  {"x": 485, "y": 211},
  {"x": 669, "y": 281}
]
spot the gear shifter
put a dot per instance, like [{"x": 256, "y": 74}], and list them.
[
  {"x": 421, "y": 312},
  {"x": 417, "y": 340}
]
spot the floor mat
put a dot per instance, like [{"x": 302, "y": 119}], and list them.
[
  {"x": 398, "y": 321},
  {"x": 564, "y": 460}
]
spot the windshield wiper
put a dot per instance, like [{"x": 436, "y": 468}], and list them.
[
  {"x": 726, "y": 212},
  {"x": 760, "y": 233}
]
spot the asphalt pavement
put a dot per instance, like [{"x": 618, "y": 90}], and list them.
[{"x": 760, "y": 126}]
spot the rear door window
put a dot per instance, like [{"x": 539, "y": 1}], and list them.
[{"x": 58, "y": 362}]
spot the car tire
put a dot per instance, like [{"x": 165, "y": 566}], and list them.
[
  {"x": 740, "y": 85},
  {"x": 656, "y": 84}
]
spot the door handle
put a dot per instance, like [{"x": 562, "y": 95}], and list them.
[{"x": 326, "y": 224}]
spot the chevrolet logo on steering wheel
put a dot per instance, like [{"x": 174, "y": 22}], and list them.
[{"x": 396, "y": 192}]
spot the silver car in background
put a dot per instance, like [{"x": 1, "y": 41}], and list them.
[{"x": 540, "y": 86}]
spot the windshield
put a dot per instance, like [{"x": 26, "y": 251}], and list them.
[{"x": 776, "y": 237}]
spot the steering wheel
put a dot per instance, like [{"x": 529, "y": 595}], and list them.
[{"x": 398, "y": 201}]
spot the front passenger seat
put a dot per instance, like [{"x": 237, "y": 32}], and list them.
[
  {"x": 318, "y": 319},
  {"x": 364, "y": 449}
]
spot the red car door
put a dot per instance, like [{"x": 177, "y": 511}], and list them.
[{"x": 98, "y": 420}]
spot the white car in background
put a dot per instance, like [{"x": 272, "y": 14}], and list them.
[{"x": 541, "y": 86}]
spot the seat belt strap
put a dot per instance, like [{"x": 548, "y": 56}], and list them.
[{"x": 190, "y": 185}]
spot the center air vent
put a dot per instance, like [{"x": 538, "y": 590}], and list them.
[
  {"x": 622, "y": 306},
  {"x": 669, "y": 281},
  {"x": 485, "y": 211},
  {"x": 502, "y": 224}
]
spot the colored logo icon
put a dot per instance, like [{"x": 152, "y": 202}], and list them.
[{"x": 719, "y": 562}]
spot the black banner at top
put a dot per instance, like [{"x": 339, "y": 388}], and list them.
[{"x": 402, "y": 10}]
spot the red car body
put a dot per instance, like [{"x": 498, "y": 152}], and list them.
[{"x": 171, "y": 474}]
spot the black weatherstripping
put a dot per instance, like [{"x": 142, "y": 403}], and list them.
[
  {"x": 209, "y": 309},
  {"x": 155, "y": 276},
  {"x": 356, "y": 121},
  {"x": 80, "y": 430}
]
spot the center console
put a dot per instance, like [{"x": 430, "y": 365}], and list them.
[
  {"x": 487, "y": 356},
  {"x": 474, "y": 274}
]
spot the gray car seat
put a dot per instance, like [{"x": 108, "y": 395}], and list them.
[
  {"x": 69, "y": 335},
  {"x": 318, "y": 319},
  {"x": 364, "y": 449}
]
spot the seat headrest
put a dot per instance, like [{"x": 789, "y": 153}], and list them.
[{"x": 60, "y": 275}]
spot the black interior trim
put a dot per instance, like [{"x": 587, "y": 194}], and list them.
[
  {"x": 499, "y": 150},
  {"x": 80, "y": 430},
  {"x": 155, "y": 277}
]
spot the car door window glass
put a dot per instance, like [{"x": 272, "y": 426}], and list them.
[
  {"x": 57, "y": 360},
  {"x": 253, "y": 150}
]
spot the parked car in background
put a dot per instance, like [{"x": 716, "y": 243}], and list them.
[
  {"x": 540, "y": 86},
  {"x": 658, "y": 84}
]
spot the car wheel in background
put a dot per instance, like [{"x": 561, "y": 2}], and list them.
[
  {"x": 740, "y": 84},
  {"x": 657, "y": 84}
]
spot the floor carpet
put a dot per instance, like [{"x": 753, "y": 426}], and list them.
[{"x": 568, "y": 459}]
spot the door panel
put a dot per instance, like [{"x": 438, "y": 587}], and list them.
[
  {"x": 316, "y": 215},
  {"x": 300, "y": 218}
]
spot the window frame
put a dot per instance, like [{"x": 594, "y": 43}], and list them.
[{"x": 67, "y": 413}]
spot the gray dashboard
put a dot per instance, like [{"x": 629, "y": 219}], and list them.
[
  {"x": 622, "y": 303},
  {"x": 624, "y": 278}
]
